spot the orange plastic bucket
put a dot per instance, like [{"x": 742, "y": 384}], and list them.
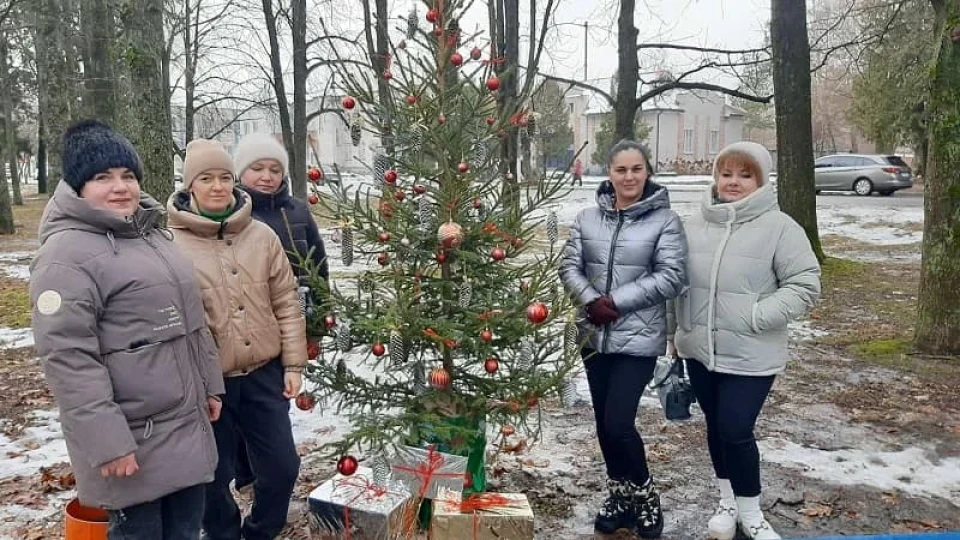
[{"x": 84, "y": 523}]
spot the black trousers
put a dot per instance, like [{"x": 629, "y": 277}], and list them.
[
  {"x": 731, "y": 405},
  {"x": 616, "y": 383},
  {"x": 173, "y": 517},
  {"x": 254, "y": 408}
]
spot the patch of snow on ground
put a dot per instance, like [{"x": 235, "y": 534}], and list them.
[
  {"x": 18, "y": 271},
  {"x": 909, "y": 470},
  {"x": 802, "y": 331},
  {"x": 15, "y": 338},
  {"x": 40, "y": 446},
  {"x": 881, "y": 225}
]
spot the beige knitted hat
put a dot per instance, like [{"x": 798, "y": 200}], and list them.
[{"x": 204, "y": 155}]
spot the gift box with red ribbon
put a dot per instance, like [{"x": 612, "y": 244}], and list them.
[
  {"x": 424, "y": 471},
  {"x": 354, "y": 508},
  {"x": 481, "y": 516}
]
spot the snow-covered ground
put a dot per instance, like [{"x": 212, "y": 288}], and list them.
[{"x": 879, "y": 223}]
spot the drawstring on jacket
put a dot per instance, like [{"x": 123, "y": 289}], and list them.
[{"x": 113, "y": 242}]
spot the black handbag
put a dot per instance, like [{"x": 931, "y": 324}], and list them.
[{"x": 676, "y": 395}]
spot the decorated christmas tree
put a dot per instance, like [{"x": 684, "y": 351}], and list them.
[{"x": 453, "y": 316}]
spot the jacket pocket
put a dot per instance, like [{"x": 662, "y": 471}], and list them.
[
  {"x": 683, "y": 311},
  {"x": 147, "y": 380},
  {"x": 735, "y": 312},
  {"x": 754, "y": 324}
]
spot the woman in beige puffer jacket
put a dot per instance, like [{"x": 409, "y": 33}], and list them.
[{"x": 252, "y": 308}]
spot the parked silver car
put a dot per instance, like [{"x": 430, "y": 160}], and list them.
[{"x": 862, "y": 173}]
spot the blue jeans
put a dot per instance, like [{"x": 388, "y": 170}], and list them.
[
  {"x": 253, "y": 408},
  {"x": 616, "y": 384},
  {"x": 173, "y": 517}
]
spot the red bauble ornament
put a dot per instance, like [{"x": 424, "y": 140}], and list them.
[
  {"x": 517, "y": 243},
  {"x": 537, "y": 312},
  {"x": 486, "y": 335},
  {"x": 329, "y": 321},
  {"x": 432, "y": 15},
  {"x": 313, "y": 199},
  {"x": 383, "y": 259},
  {"x": 383, "y": 237},
  {"x": 419, "y": 189},
  {"x": 476, "y": 53},
  {"x": 313, "y": 349},
  {"x": 491, "y": 120},
  {"x": 378, "y": 349},
  {"x": 532, "y": 401},
  {"x": 305, "y": 402},
  {"x": 508, "y": 430},
  {"x": 438, "y": 31},
  {"x": 347, "y": 465},
  {"x": 463, "y": 167},
  {"x": 467, "y": 480},
  {"x": 411, "y": 100},
  {"x": 387, "y": 75},
  {"x": 493, "y": 84},
  {"x": 491, "y": 365},
  {"x": 498, "y": 254},
  {"x": 314, "y": 174},
  {"x": 439, "y": 378},
  {"x": 442, "y": 119},
  {"x": 390, "y": 176},
  {"x": 399, "y": 195},
  {"x": 456, "y": 59},
  {"x": 441, "y": 257},
  {"x": 478, "y": 204},
  {"x": 348, "y": 103}
]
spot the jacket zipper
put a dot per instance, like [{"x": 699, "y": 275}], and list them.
[
  {"x": 183, "y": 303},
  {"x": 714, "y": 287},
  {"x": 613, "y": 248}
]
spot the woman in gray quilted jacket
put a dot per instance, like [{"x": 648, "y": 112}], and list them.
[
  {"x": 751, "y": 271},
  {"x": 624, "y": 259}
]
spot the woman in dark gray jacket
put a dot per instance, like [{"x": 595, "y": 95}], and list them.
[
  {"x": 624, "y": 259},
  {"x": 119, "y": 324}
]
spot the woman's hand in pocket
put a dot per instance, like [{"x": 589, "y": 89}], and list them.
[{"x": 292, "y": 381}]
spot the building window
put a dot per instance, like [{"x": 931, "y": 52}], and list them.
[
  {"x": 714, "y": 141},
  {"x": 688, "y": 141}
]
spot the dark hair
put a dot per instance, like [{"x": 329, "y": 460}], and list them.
[{"x": 624, "y": 145}]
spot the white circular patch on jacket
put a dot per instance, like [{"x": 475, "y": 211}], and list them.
[{"x": 49, "y": 302}]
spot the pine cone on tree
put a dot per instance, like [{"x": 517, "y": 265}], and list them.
[
  {"x": 466, "y": 294},
  {"x": 344, "y": 336},
  {"x": 380, "y": 165},
  {"x": 346, "y": 247},
  {"x": 553, "y": 233},
  {"x": 570, "y": 337},
  {"x": 569, "y": 394},
  {"x": 413, "y": 20},
  {"x": 425, "y": 214},
  {"x": 398, "y": 353},
  {"x": 381, "y": 470}
]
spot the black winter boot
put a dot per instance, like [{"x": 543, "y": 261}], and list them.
[
  {"x": 617, "y": 511},
  {"x": 646, "y": 501}
]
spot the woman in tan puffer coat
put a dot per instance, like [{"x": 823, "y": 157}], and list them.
[{"x": 252, "y": 308}]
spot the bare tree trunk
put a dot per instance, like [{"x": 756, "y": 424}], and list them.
[
  {"x": 6, "y": 211},
  {"x": 298, "y": 165},
  {"x": 10, "y": 138},
  {"x": 938, "y": 321},
  {"x": 378, "y": 49},
  {"x": 628, "y": 73},
  {"x": 505, "y": 35},
  {"x": 100, "y": 92},
  {"x": 41, "y": 154},
  {"x": 791, "y": 82},
  {"x": 279, "y": 89},
  {"x": 57, "y": 78},
  {"x": 189, "y": 72},
  {"x": 149, "y": 129}
]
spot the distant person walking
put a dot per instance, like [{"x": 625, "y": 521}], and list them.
[{"x": 577, "y": 173}]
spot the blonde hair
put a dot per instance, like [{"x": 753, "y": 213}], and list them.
[{"x": 736, "y": 158}]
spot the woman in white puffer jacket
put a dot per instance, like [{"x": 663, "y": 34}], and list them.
[{"x": 751, "y": 270}]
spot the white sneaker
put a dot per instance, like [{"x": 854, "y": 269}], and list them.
[
  {"x": 723, "y": 524},
  {"x": 752, "y": 523}
]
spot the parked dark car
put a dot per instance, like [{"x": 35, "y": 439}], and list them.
[{"x": 862, "y": 173}]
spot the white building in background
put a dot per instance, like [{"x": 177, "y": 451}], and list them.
[
  {"x": 328, "y": 137},
  {"x": 687, "y": 129}
]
